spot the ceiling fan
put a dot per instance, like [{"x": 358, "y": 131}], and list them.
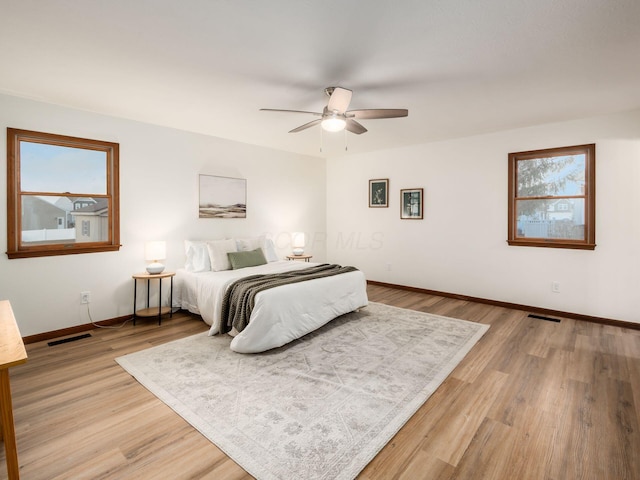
[{"x": 335, "y": 116}]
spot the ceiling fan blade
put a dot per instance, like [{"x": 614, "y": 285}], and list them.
[
  {"x": 306, "y": 125},
  {"x": 377, "y": 113},
  {"x": 339, "y": 100},
  {"x": 354, "y": 127},
  {"x": 317, "y": 114}
]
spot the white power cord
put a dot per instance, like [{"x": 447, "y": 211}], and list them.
[{"x": 106, "y": 326}]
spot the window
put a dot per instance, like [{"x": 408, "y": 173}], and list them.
[
  {"x": 552, "y": 197},
  {"x": 62, "y": 195}
]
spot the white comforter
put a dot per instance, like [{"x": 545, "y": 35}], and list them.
[{"x": 280, "y": 314}]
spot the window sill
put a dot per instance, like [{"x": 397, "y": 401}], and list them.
[
  {"x": 552, "y": 244},
  {"x": 51, "y": 252}
]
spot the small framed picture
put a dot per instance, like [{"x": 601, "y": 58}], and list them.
[
  {"x": 379, "y": 193},
  {"x": 411, "y": 203}
]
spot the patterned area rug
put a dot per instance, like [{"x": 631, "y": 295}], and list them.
[{"x": 319, "y": 408}]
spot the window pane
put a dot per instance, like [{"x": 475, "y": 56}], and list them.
[
  {"x": 53, "y": 168},
  {"x": 562, "y": 175},
  {"x": 551, "y": 218},
  {"x": 48, "y": 220},
  {"x": 62, "y": 195},
  {"x": 552, "y": 197}
]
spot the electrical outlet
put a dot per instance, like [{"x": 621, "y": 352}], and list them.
[
  {"x": 85, "y": 297},
  {"x": 388, "y": 267},
  {"x": 555, "y": 287}
]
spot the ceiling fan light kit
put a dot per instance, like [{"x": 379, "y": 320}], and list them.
[
  {"x": 335, "y": 117},
  {"x": 333, "y": 123}
]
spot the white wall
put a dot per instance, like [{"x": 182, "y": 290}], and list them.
[
  {"x": 159, "y": 170},
  {"x": 460, "y": 246}
]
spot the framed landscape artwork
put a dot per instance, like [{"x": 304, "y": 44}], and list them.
[
  {"x": 222, "y": 197},
  {"x": 379, "y": 193},
  {"x": 411, "y": 203}
]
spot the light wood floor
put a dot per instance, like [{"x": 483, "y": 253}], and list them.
[{"x": 532, "y": 400}]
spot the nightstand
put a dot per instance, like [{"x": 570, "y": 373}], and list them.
[
  {"x": 299, "y": 257},
  {"x": 153, "y": 311}
]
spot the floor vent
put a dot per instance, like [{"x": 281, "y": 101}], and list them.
[
  {"x": 548, "y": 319},
  {"x": 70, "y": 339}
]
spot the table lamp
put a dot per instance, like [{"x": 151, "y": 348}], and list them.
[
  {"x": 297, "y": 242},
  {"x": 154, "y": 252}
]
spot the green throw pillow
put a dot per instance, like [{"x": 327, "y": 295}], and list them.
[{"x": 246, "y": 259}]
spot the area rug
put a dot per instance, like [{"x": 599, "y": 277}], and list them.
[{"x": 320, "y": 407}]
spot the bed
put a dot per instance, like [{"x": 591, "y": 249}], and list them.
[{"x": 280, "y": 314}]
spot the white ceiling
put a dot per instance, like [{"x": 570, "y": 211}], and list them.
[{"x": 461, "y": 67}]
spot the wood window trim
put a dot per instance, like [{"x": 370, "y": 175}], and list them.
[
  {"x": 15, "y": 248},
  {"x": 589, "y": 241}
]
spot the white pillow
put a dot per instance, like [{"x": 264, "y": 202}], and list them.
[
  {"x": 269, "y": 249},
  {"x": 247, "y": 244},
  {"x": 197, "y": 256},
  {"x": 218, "y": 250}
]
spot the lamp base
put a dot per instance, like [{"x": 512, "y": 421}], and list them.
[
  {"x": 298, "y": 251},
  {"x": 155, "y": 268}
]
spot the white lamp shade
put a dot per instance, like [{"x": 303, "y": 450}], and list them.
[
  {"x": 154, "y": 251},
  {"x": 297, "y": 242}
]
